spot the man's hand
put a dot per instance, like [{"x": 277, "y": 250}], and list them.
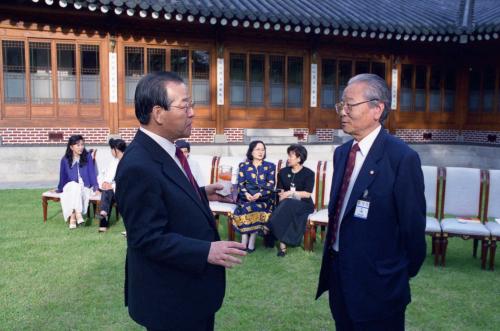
[
  {"x": 214, "y": 196},
  {"x": 221, "y": 253},
  {"x": 107, "y": 186}
]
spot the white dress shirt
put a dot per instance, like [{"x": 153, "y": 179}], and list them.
[
  {"x": 108, "y": 175},
  {"x": 364, "y": 147},
  {"x": 166, "y": 144}
]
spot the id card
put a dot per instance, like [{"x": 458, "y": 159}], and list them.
[{"x": 362, "y": 207}]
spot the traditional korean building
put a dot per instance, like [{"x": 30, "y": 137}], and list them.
[{"x": 71, "y": 66}]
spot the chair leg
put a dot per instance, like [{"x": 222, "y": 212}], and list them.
[
  {"x": 433, "y": 251},
  {"x": 313, "y": 234},
  {"x": 217, "y": 220},
  {"x": 307, "y": 237},
  {"x": 474, "y": 250},
  {"x": 323, "y": 232},
  {"x": 484, "y": 253},
  {"x": 444, "y": 246},
  {"x": 493, "y": 248},
  {"x": 44, "y": 207},
  {"x": 230, "y": 230},
  {"x": 436, "y": 247}
]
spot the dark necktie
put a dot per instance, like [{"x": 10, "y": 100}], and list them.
[
  {"x": 185, "y": 165},
  {"x": 333, "y": 222}
]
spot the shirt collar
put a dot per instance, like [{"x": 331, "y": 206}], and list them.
[
  {"x": 166, "y": 144},
  {"x": 366, "y": 143}
]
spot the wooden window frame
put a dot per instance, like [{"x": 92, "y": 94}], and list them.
[
  {"x": 337, "y": 60},
  {"x": 496, "y": 91},
  {"x": 54, "y": 109},
  {"x": 203, "y": 111},
  {"x": 239, "y": 113},
  {"x": 419, "y": 119}
]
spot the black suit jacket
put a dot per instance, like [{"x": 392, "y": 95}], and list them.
[
  {"x": 169, "y": 230},
  {"x": 378, "y": 255}
]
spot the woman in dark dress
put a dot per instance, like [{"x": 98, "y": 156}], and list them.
[
  {"x": 288, "y": 221},
  {"x": 256, "y": 180}
]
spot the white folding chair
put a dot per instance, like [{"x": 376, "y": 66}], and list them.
[
  {"x": 224, "y": 208},
  {"x": 432, "y": 227},
  {"x": 492, "y": 210},
  {"x": 324, "y": 172},
  {"x": 463, "y": 192},
  {"x": 206, "y": 164}
]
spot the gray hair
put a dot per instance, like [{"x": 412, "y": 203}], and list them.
[{"x": 376, "y": 88}]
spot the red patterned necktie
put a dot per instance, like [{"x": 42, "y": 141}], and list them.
[
  {"x": 333, "y": 222},
  {"x": 185, "y": 165}
]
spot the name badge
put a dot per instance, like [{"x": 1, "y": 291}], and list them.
[{"x": 362, "y": 207}]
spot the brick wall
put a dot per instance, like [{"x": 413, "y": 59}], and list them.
[
  {"x": 127, "y": 134},
  {"x": 11, "y": 136},
  {"x": 448, "y": 136},
  {"x": 423, "y": 135},
  {"x": 234, "y": 135},
  {"x": 198, "y": 135},
  {"x": 482, "y": 137},
  {"x": 301, "y": 133},
  {"x": 325, "y": 135},
  {"x": 41, "y": 135}
]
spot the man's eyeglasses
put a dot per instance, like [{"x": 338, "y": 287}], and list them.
[
  {"x": 347, "y": 107},
  {"x": 186, "y": 108}
]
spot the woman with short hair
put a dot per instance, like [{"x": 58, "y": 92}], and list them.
[
  {"x": 295, "y": 183},
  {"x": 256, "y": 181}
]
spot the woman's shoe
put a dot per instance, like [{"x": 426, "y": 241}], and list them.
[
  {"x": 281, "y": 252},
  {"x": 103, "y": 229},
  {"x": 250, "y": 250},
  {"x": 72, "y": 226},
  {"x": 80, "y": 220}
]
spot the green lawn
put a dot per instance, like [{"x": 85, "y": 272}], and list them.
[{"x": 55, "y": 279}]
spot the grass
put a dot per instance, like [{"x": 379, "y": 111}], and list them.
[{"x": 55, "y": 279}]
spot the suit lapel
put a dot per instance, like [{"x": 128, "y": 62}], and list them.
[
  {"x": 171, "y": 170},
  {"x": 368, "y": 171}
]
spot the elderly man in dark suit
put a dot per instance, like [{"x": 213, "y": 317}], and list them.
[
  {"x": 375, "y": 241},
  {"x": 175, "y": 276}
]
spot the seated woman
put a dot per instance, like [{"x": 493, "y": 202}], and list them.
[
  {"x": 296, "y": 182},
  {"x": 107, "y": 182},
  {"x": 77, "y": 181},
  {"x": 256, "y": 180}
]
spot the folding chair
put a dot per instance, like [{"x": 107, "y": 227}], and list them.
[
  {"x": 432, "y": 197},
  {"x": 463, "y": 193},
  {"x": 492, "y": 210}
]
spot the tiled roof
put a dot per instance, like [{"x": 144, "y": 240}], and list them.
[{"x": 424, "y": 20}]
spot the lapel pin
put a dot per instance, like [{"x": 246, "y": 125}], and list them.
[{"x": 372, "y": 172}]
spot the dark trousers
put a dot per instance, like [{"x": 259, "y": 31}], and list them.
[
  {"x": 203, "y": 325},
  {"x": 343, "y": 321},
  {"x": 107, "y": 199}
]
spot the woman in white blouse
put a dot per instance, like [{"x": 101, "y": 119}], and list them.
[{"x": 107, "y": 182}]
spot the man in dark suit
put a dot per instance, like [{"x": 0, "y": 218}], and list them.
[
  {"x": 175, "y": 276},
  {"x": 375, "y": 241}
]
